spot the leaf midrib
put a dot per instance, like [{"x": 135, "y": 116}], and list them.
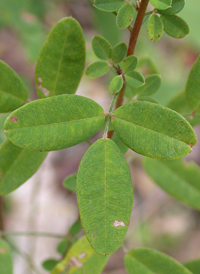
[
  {"x": 53, "y": 123},
  {"x": 153, "y": 130}
]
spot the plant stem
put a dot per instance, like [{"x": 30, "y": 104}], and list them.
[
  {"x": 105, "y": 135},
  {"x": 32, "y": 234},
  {"x": 131, "y": 48}
]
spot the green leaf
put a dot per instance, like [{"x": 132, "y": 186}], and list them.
[
  {"x": 97, "y": 69},
  {"x": 81, "y": 258},
  {"x": 105, "y": 198},
  {"x": 54, "y": 123},
  {"x": 175, "y": 26},
  {"x": 6, "y": 263},
  {"x": 108, "y": 5},
  {"x": 161, "y": 4},
  {"x": 153, "y": 130},
  {"x": 119, "y": 53},
  {"x": 155, "y": 28},
  {"x": 63, "y": 246},
  {"x": 50, "y": 264},
  {"x": 179, "y": 104},
  {"x": 17, "y": 165},
  {"x": 193, "y": 87},
  {"x": 147, "y": 99},
  {"x": 135, "y": 79},
  {"x": 76, "y": 228},
  {"x": 151, "y": 86},
  {"x": 193, "y": 266},
  {"x": 149, "y": 261},
  {"x": 125, "y": 16},
  {"x": 129, "y": 64},
  {"x": 70, "y": 182},
  {"x": 119, "y": 143},
  {"x": 178, "y": 179},
  {"x": 177, "y": 6},
  {"x": 2, "y": 121},
  {"x": 116, "y": 84},
  {"x": 101, "y": 47},
  {"x": 13, "y": 93},
  {"x": 61, "y": 62}
]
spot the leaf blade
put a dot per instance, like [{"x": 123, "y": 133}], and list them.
[
  {"x": 97, "y": 69},
  {"x": 101, "y": 47},
  {"x": 125, "y": 16},
  {"x": 99, "y": 194},
  {"x": 108, "y": 5},
  {"x": 155, "y": 28},
  {"x": 6, "y": 262},
  {"x": 175, "y": 26}
]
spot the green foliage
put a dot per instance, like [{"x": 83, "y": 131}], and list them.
[
  {"x": 108, "y": 5},
  {"x": 151, "y": 130},
  {"x": 27, "y": 128},
  {"x": 193, "y": 266},
  {"x": 50, "y": 264},
  {"x": 119, "y": 53},
  {"x": 147, "y": 99},
  {"x": 6, "y": 264},
  {"x": 75, "y": 229},
  {"x": 125, "y": 16},
  {"x": 175, "y": 26},
  {"x": 176, "y": 178},
  {"x": 161, "y": 4},
  {"x": 13, "y": 93},
  {"x": 63, "y": 246},
  {"x": 116, "y": 84},
  {"x": 97, "y": 69},
  {"x": 176, "y": 7},
  {"x": 119, "y": 143},
  {"x": 155, "y": 28},
  {"x": 101, "y": 47},
  {"x": 129, "y": 64},
  {"x": 134, "y": 79},
  {"x": 193, "y": 87},
  {"x": 105, "y": 197},
  {"x": 151, "y": 86},
  {"x": 70, "y": 182},
  {"x": 61, "y": 62},
  {"x": 149, "y": 261},
  {"x": 17, "y": 165},
  {"x": 81, "y": 258}
]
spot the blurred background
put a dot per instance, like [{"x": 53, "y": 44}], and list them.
[{"x": 42, "y": 204}]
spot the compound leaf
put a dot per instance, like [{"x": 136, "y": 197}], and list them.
[
  {"x": 129, "y": 63},
  {"x": 178, "y": 179},
  {"x": 153, "y": 130},
  {"x": 101, "y": 47},
  {"x": 155, "y": 28},
  {"x": 193, "y": 266},
  {"x": 116, "y": 84},
  {"x": 70, "y": 182},
  {"x": 61, "y": 62},
  {"x": 161, "y": 4},
  {"x": 13, "y": 93},
  {"x": 193, "y": 87},
  {"x": 105, "y": 198},
  {"x": 149, "y": 261},
  {"x": 125, "y": 16},
  {"x": 54, "y": 123},
  {"x": 97, "y": 69},
  {"x": 17, "y": 165},
  {"x": 81, "y": 258},
  {"x": 119, "y": 52},
  {"x": 175, "y": 26},
  {"x": 6, "y": 263},
  {"x": 177, "y": 6},
  {"x": 134, "y": 79},
  {"x": 108, "y": 5}
]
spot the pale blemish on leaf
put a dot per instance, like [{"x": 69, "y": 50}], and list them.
[
  {"x": 2, "y": 250},
  {"x": 44, "y": 90},
  {"x": 75, "y": 262},
  {"x": 117, "y": 224},
  {"x": 14, "y": 119},
  {"x": 82, "y": 255}
]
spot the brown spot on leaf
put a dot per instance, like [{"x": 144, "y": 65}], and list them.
[
  {"x": 44, "y": 90},
  {"x": 117, "y": 224},
  {"x": 2, "y": 250},
  {"x": 14, "y": 119}
]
